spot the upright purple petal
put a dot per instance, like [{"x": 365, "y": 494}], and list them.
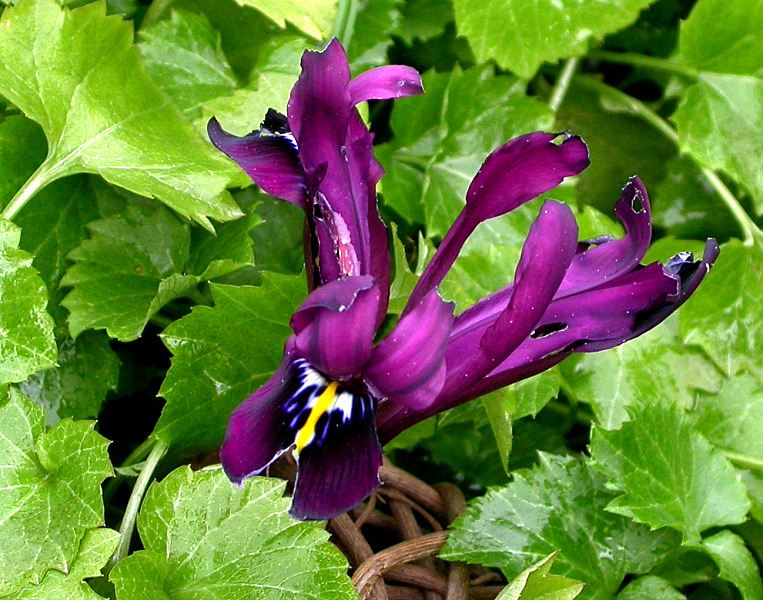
[
  {"x": 271, "y": 161},
  {"x": 335, "y": 326},
  {"x": 408, "y": 366},
  {"x": 513, "y": 174},
  {"x": 341, "y": 471},
  {"x": 611, "y": 259},
  {"x": 546, "y": 255},
  {"x": 385, "y": 83},
  {"x": 256, "y": 433}
]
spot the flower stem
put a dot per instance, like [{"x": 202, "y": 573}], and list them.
[
  {"x": 744, "y": 460},
  {"x": 344, "y": 25},
  {"x": 635, "y": 107},
  {"x": 641, "y": 60},
  {"x": 563, "y": 83},
  {"x": 39, "y": 179},
  {"x": 136, "y": 497}
]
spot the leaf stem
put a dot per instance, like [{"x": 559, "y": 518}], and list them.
[
  {"x": 136, "y": 498},
  {"x": 344, "y": 24},
  {"x": 31, "y": 186},
  {"x": 635, "y": 107},
  {"x": 641, "y": 60},
  {"x": 563, "y": 83},
  {"x": 137, "y": 455},
  {"x": 744, "y": 460}
]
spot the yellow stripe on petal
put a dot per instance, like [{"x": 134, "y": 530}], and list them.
[{"x": 325, "y": 400}]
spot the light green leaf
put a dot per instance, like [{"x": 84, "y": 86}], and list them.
[
  {"x": 736, "y": 563},
  {"x": 522, "y": 34},
  {"x": 51, "y": 484},
  {"x": 443, "y": 137},
  {"x": 81, "y": 79},
  {"x": 273, "y": 76},
  {"x": 669, "y": 473},
  {"x": 206, "y": 538},
  {"x": 723, "y": 37},
  {"x": 87, "y": 370},
  {"x": 184, "y": 57},
  {"x": 650, "y": 588},
  {"x": 725, "y": 315},
  {"x": 618, "y": 380},
  {"x": 138, "y": 261},
  {"x": 718, "y": 122},
  {"x": 536, "y": 583},
  {"x": 27, "y": 344},
  {"x": 315, "y": 18},
  {"x": 404, "y": 280},
  {"x": 221, "y": 355},
  {"x": 557, "y": 506},
  {"x": 732, "y": 418},
  {"x": 95, "y": 549}
]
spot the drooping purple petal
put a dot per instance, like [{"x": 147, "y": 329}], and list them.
[
  {"x": 270, "y": 160},
  {"x": 335, "y": 326},
  {"x": 611, "y": 259},
  {"x": 408, "y": 366},
  {"x": 546, "y": 255},
  {"x": 385, "y": 83},
  {"x": 256, "y": 434},
  {"x": 513, "y": 174},
  {"x": 341, "y": 471}
]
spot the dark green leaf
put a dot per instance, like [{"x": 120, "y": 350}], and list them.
[
  {"x": 442, "y": 138},
  {"x": 522, "y": 34},
  {"x": 375, "y": 21},
  {"x": 106, "y": 116},
  {"x": 221, "y": 356},
  {"x": 27, "y": 344},
  {"x": 669, "y": 473},
  {"x": 206, "y": 538},
  {"x": 87, "y": 370},
  {"x": 650, "y": 588},
  {"x": 184, "y": 57},
  {"x": 425, "y": 19},
  {"x": 558, "y": 505},
  {"x": 736, "y": 563},
  {"x": 51, "y": 484}
]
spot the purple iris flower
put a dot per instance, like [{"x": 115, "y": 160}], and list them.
[{"x": 336, "y": 395}]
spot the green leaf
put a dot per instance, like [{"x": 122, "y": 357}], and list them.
[
  {"x": 650, "y": 588},
  {"x": 731, "y": 418},
  {"x": 736, "y": 563},
  {"x": 105, "y": 116},
  {"x": 184, "y": 56},
  {"x": 520, "y": 35},
  {"x": 126, "y": 271},
  {"x": 442, "y": 138},
  {"x": 718, "y": 122},
  {"x": 278, "y": 240},
  {"x": 316, "y": 18},
  {"x": 22, "y": 150},
  {"x": 536, "y": 583},
  {"x": 273, "y": 76},
  {"x": 723, "y": 37},
  {"x": 87, "y": 370},
  {"x": 725, "y": 315},
  {"x": 623, "y": 378},
  {"x": 206, "y": 538},
  {"x": 669, "y": 473},
  {"x": 138, "y": 261},
  {"x": 371, "y": 38},
  {"x": 424, "y": 19},
  {"x": 94, "y": 551},
  {"x": 51, "y": 484},
  {"x": 221, "y": 355},
  {"x": 404, "y": 280},
  {"x": 27, "y": 344},
  {"x": 558, "y": 505}
]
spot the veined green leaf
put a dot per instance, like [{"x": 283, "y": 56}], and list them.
[{"x": 315, "y": 18}]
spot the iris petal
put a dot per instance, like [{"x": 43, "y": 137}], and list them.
[
  {"x": 385, "y": 83},
  {"x": 270, "y": 160},
  {"x": 408, "y": 365},
  {"x": 335, "y": 326},
  {"x": 512, "y": 175},
  {"x": 340, "y": 472}
]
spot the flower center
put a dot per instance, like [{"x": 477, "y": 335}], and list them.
[{"x": 325, "y": 400}]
